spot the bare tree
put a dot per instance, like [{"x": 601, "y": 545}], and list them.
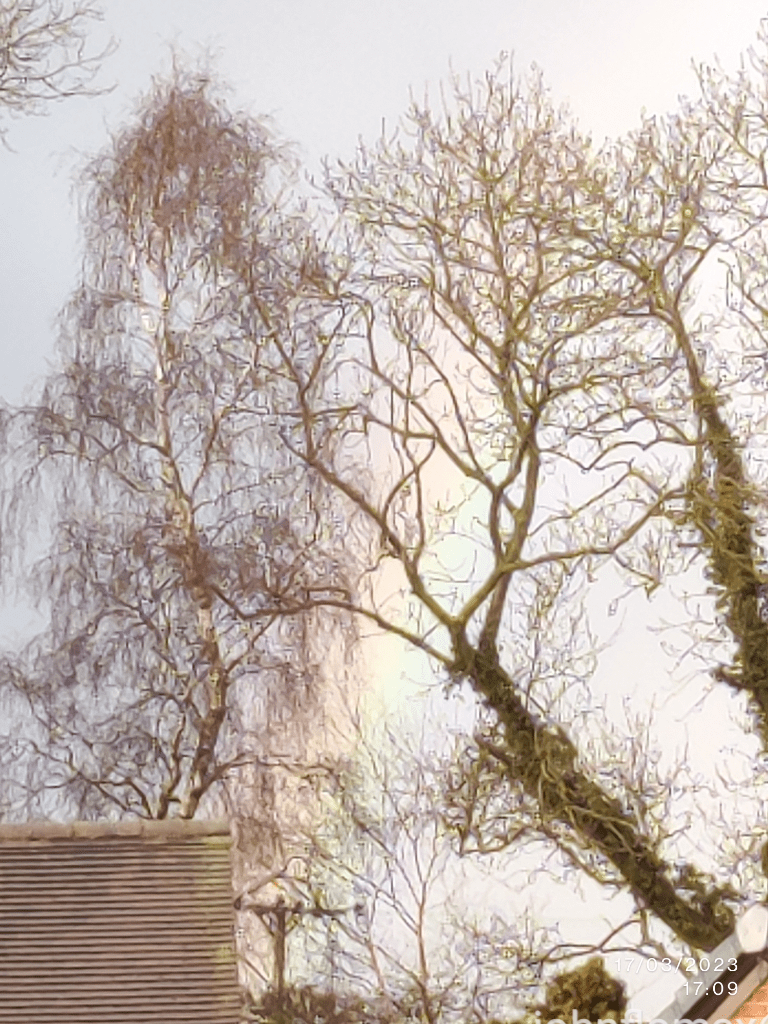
[
  {"x": 188, "y": 545},
  {"x": 382, "y": 851},
  {"x": 409, "y": 944},
  {"x": 43, "y": 54},
  {"x": 535, "y": 400},
  {"x": 499, "y": 363},
  {"x": 430, "y": 932}
]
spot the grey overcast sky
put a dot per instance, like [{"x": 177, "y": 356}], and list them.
[{"x": 328, "y": 72}]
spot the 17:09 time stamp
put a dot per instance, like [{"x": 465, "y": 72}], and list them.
[{"x": 686, "y": 964}]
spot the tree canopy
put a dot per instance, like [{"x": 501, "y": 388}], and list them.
[
  {"x": 188, "y": 541},
  {"x": 43, "y": 54},
  {"x": 508, "y": 371},
  {"x": 545, "y": 396}
]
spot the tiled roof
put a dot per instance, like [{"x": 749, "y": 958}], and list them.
[{"x": 117, "y": 923}]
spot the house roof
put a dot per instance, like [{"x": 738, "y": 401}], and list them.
[
  {"x": 726, "y": 984},
  {"x": 117, "y": 922}
]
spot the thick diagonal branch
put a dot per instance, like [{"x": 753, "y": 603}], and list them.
[{"x": 544, "y": 761}]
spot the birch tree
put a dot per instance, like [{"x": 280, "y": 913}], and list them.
[{"x": 188, "y": 545}]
